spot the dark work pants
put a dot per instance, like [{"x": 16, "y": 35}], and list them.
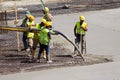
[
  {"x": 25, "y": 42},
  {"x": 80, "y": 39},
  {"x": 42, "y": 48}
]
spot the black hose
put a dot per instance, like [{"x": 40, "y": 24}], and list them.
[{"x": 59, "y": 33}]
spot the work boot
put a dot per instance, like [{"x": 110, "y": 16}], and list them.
[
  {"x": 28, "y": 49},
  {"x": 48, "y": 59}
]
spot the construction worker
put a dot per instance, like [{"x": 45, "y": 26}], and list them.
[
  {"x": 30, "y": 35},
  {"x": 45, "y": 38},
  {"x": 80, "y": 30},
  {"x": 47, "y": 16},
  {"x": 24, "y": 24},
  {"x": 36, "y": 38}
]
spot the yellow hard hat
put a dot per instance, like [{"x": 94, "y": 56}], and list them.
[
  {"x": 48, "y": 24},
  {"x": 46, "y": 9},
  {"x": 43, "y": 21},
  {"x": 31, "y": 18},
  {"x": 82, "y": 18}
]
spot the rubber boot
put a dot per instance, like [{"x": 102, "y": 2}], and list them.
[{"x": 48, "y": 59}]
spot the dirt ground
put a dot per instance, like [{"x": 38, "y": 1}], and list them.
[{"x": 12, "y": 61}]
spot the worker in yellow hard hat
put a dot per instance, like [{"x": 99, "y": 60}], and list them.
[
  {"x": 47, "y": 15},
  {"x": 45, "y": 38},
  {"x": 30, "y": 35},
  {"x": 36, "y": 38},
  {"x": 49, "y": 18},
  {"x": 80, "y": 30}
]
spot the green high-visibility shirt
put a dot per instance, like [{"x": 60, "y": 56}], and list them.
[
  {"x": 79, "y": 30},
  {"x": 30, "y": 34},
  {"x": 44, "y": 38}
]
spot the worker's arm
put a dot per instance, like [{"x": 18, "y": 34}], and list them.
[
  {"x": 75, "y": 30},
  {"x": 49, "y": 35},
  {"x": 33, "y": 25},
  {"x": 24, "y": 22},
  {"x": 85, "y": 29},
  {"x": 50, "y": 16}
]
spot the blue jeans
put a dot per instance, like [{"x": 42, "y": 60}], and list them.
[{"x": 42, "y": 48}]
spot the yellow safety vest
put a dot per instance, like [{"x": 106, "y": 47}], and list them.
[
  {"x": 44, "y": 39},
  {"x": 79, "y": 30},
  {"x": 36, "y": 35},
  {"x": 30, "y": 34}
]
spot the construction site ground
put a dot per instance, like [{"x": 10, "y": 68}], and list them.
[{"x": 12, "y": 61}]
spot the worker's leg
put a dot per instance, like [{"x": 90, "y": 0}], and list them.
[
  {"x": 43, "y": 54},
  {"x": 47, "y": 48},
  {"x": 25, "y": 43},
  {"x": 30, "y": 43},
  {"x": 35, "y": 43},
  {"x": 77, "y": 42},
  {"x": 40, "y": 51},
  {"x": 82, "y": 43}
]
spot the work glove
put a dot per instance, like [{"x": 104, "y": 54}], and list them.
[{"x": 54, "y": 32}]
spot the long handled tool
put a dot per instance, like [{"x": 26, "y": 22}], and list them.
[
  {"x": 18, "y": 29},
  {"x": 43, "y": 5},
  {"x": 17, "y": 34},
  {"x": 8, "y": 28}
]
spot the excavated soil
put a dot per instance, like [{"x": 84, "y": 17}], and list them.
[{"x": 12, "y": 61}]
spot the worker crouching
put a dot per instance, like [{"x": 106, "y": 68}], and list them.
[{"x": 45, "y": 38}]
